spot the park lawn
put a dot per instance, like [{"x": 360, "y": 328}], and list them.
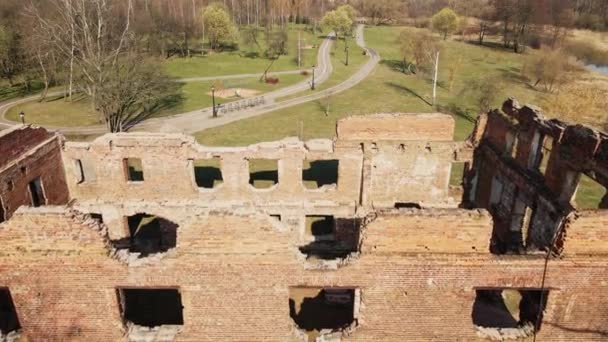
[
  {"x": 388, "y": 89},
  {"x": 8, "y": 92},
  {"x": 341, "y": 72},
  {"x": 56, "y": 112},
  {"x": 247, "y": 60},
  {"x": 589, "y": 193}
]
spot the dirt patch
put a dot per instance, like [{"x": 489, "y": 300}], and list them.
[{"x": 230, "y": 93}]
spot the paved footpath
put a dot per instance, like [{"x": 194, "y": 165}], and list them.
[{"x": 202, "y": 119}]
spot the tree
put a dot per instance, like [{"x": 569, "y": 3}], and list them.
[
  {"x": 123, "y": 89},
  {"x": 485, "y": 91},
  {"x": 250, "y": 36},
  {"x": 341, "y": 23},
  {"x": 11, "y": 54},
  {"x": 132, "y": 92},
  {"x": 350, "y": 11},
  {"x": 550, "y": 68},
  {"x": 486, "y": 14},
  {"x": 445, "y": 22},
  {"x": 338, "y": 21},
  {"x": 219, "y": 26}
]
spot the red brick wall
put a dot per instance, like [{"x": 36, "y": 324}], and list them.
[
  {"x": 38, "y": 157},
  {"x": 234, "y": 274}
]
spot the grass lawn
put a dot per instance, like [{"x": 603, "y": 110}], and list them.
[
  {"x": 589, "y": 193},
  {"x": 8, "y": 92},
  {"x": 248, "y": 60},
  {"x": 56, "y": 112},
  {"x": 387, "y": 89}
]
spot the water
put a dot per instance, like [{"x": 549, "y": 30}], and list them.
[{"x": 602, "y": 69}]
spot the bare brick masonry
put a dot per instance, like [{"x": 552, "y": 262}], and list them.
[{"x": 119, "y": 240}]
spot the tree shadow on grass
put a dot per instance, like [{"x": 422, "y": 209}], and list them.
[
  {"x": 396, "y": 65},
  {"x": 173, "y": 98},
  {"x": 407, "y": 90},
  {"x": 489, "y": 44},
  {"x": 513, "y": 74},
  {"x": 453, "y": 108}
]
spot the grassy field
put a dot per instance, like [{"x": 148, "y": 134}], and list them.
[
  {"x": 248, "y": 59},
  {"x": 194, "y": 95},
  {"x": 387, "y": 89}
]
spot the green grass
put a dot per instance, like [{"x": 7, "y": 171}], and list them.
[
  {"x": 8, "y": 92},
  {"x": 243, "y": 62},
  {"x": 589, "y": 193},
  {"x": 387, "y": 89},
  {"x": 54, "y": 111},
  {"x": 195, "y": 95}
]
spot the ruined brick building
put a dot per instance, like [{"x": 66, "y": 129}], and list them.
[{"x": 153, "y": 237}]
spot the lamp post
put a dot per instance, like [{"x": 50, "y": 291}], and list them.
[
  {"x": 22, "y": 116},
  {"x": 312, "y": 86},
  {"x": 213, "y": 97}
]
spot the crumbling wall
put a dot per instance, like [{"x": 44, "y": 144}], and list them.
[
  {"x": 231, "y": 266},
  {"x": 526, "y": 172},
  {"x": 26, "y": 154},
  {"x": 408, "y": 164}
]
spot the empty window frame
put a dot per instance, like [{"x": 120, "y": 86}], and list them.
[
  {"x": 8, "y": 314},
  {"x": 134, "y": 170},
  {"x": 535, "y": 150},
  {"x": 315, "y": 309},
  {"x": 317, "y": 173},
  {"x": 545, "y": 154},
  {"x": 208, "y": 172},
  {"x": 151, "y": 307},
  {"x": 510, "y": 138},
  {"x": 263, "y": 173},
  {"x": 149, "y": 234},
  {"x": 589, "y": 193},
  {"x": 2, "y": 211},
  {"x": 79, "y": 171},
  {"x": 36, "y": 193},
  {"x": 331, "y": 238},
  {"x": 500, "y": 308},
  {"x": 457, "y": 174}
]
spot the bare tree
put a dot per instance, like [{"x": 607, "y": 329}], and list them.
[{"x": 132, "y": 92}]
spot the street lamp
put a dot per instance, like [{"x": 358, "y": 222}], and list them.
[
  {"x": 312, "y": 86},
  {"x": 22, "y": 116},
  {"x": 213, "y": 96}
]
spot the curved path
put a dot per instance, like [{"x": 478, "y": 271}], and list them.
[{"x": 201, "y": 119}]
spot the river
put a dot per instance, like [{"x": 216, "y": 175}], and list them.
[{"x": 602, "y": 69}]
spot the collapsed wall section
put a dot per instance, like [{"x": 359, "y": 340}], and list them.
[{"x": 526, "y": 172}]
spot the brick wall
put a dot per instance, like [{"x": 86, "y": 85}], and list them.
[
  {"x": 234, "y": 272},
  {"x": 30, "y": 153}
]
